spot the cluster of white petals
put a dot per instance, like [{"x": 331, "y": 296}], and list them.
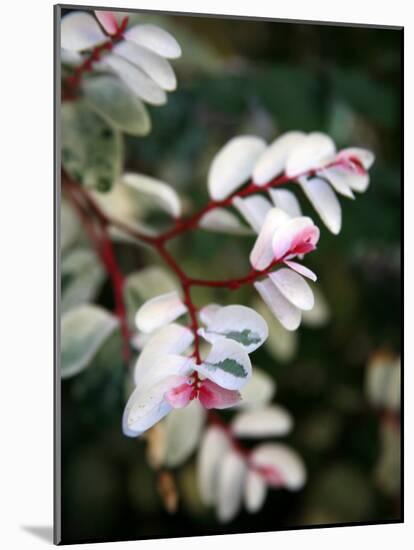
[
  {"x": 166, "y": 374},
  {"x": 311, "y": 162},
  {"x": 139, "y": 57},
  {"x": 229, "y": 476}
]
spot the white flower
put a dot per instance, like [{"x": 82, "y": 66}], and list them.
[
  {"x": 166, "y": 379},
  {"x": 229, "y": 475},
  {"x": 310, "y": 159},
  {"x": 138, "y": 56}
]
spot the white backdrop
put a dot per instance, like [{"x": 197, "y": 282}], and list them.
[{"x": 27, "y": 267}]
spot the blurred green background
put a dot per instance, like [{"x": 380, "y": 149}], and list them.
[{"x": 248, "y": 76}]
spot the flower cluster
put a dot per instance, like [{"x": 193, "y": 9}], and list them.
[
  {"x": 167, "y": 378},
  {"x": 228, "y": 474},
  {"x": 138, "y": 56},
  {"x": 185, "y": 369}
]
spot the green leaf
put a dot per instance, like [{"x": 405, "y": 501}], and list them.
[
  {"x": 245, "y": 337},
  {"x": 117, "y": 104},
  {"x": 83, "y": 332},
  {"x": 230, "y": 366},
  {"x": 69, "y": 226},
  {"x": 81, "y": 278},
  {"x": 92, "y": 151}
]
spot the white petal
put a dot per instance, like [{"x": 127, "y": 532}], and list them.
[
  {"x": 365, "y": 157},
  {"x": 255, "y": 491},
  {"x": 233, "y": 165},
  {"x": 339, "y": 178},
  {"x": 262, "y": 255},
  {"x": 142, "y": 86},
  {"x": 259, "y": 391},
  {"x": 273, "y": 160},
  {"x": 319, "y": 315},
  {"x": 183, "y": 428},
  {"x": 148, "y": 375},
  {"x": 208, "y": 312},
  {"x": 80, "y": 31},
  {"x": 358, "y": 182},
  {"x": 301, "y": 269},
  {"x": 146, "y": 407},
  {"x": 271, "y": 421},
  {"x": 311, "y": 152},
  {"x": 282, "y": 344},
  {"x": 285, "y": 461},
  {"x": 159, "y": 311},
  {"x": 227, "y": 365},
  {"x": 286, "y": 200},
  {"x": 214, "y": 446},
  {"x": 155, "y": 66},
  {"x": 70, "y": 57},
  {"x": 240, "y": 323},
  {"x": 253, "y": 209},
  {"x": 289, "y": 315},
  {"x": 161, "y": 193},
  {"x": 223, "y": 221},
  {"x": 231, "y": 480},
  {"x": 324, "y": 201},
  {"x": 108, "y": 20},
  {"x": 293, "y": 287},
  {"x": 170, "y": 340},
  {"x": 154, "y": 38}
]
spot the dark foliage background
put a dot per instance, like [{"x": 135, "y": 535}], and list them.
[{"x": 264, "y": 77}]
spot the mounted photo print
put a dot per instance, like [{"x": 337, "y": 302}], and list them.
[{"x": 228, "y": 274}]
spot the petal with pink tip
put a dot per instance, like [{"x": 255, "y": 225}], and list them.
[
  {"x": 80, "y": 31},
  {"x": 262, "y": 254},
  {"x": 324, "y": 201},
  {"x": 282, "y": 466},
  {"x": 213, "y": 396},
  {"x": 364, "y": 156},
  {"x": 295, "y": 237},
  {"x": 108, "y": 21},
  {"x": 159, "y": 311},
  {"x": 179, "y": 396},
  {"x": 288, "y": 314},
  {"x": 293, "y": 287},
  {"x": 302, "y": 270},
  {"x": 253, "y": 209},
  {"x": 312, "y": 152}
]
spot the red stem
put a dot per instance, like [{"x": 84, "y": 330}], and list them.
[
  {"x": 71, "y": 82},
  {"x": 98, "y": 234}
]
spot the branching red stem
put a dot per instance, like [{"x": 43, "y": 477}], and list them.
[
  {"x": 71, "y": 82},
  {"x": 158, "y": 242}
]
